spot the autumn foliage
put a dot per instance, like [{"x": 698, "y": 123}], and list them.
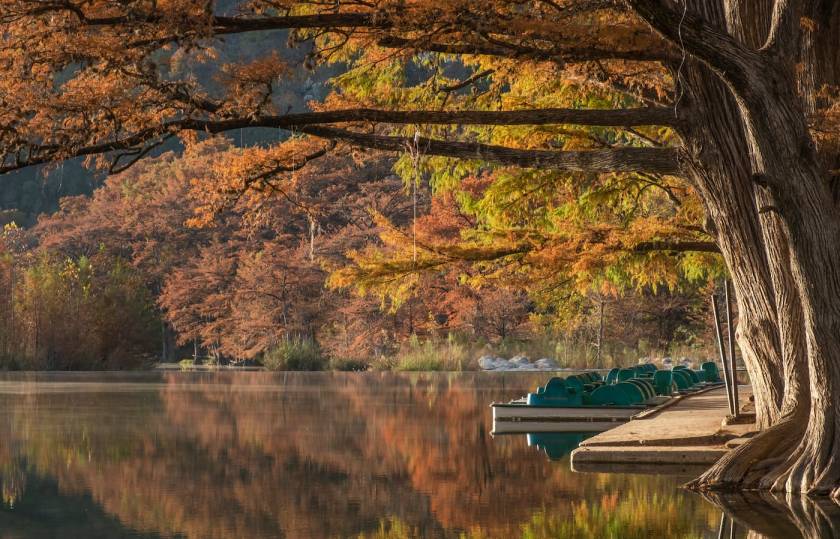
[
  {"x": 159, "y": 263},
  {"x": 511, "y": 185}
]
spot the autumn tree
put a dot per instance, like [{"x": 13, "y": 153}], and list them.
[
  {"x": 249, "y": 270},
  {"x": 743, "y": 94}
]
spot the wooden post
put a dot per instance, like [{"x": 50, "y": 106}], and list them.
[
  {"x": 723, "y": 363},
  {"x": 731, "y": 331},
  {"x": 722, "y": 527}
]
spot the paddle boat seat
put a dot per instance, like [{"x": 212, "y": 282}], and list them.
[
  {"x": 586, "y": 380},
  {"x": 645, "y": 370},
  {"x": 695, "y": 378},
  {"x": 711, "y": 372},
  {"x": 626, "y": 374},
  {"x": 558, "y": 392},
  {"x": 683, "y": 379},
  {"x": 645, "y": 386},
  {"x": 620, "y": 394},
  {"x": 593, "y": 377},
  {"x": 663, "y": 382}
]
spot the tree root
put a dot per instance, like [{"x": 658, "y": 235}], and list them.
[
  {"x": 814, "y": 466},
  {"x": 748, "y": 466},
  {"x": 794, "y": 456}
]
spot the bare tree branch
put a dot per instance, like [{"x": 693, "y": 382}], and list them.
[
  {"x": 559, "y": 54},
  {"x": 677, "y": 246},
  {"x": 43, "y": 153},
  {"x": 660, "y": 160},
  {"x": 466, "y": 82}
]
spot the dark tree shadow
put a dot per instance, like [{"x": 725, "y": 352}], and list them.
[{"x": 778, "y": 515}]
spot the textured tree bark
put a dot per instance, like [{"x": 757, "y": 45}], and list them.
[
  {"x": 750, "y": 22},
  {"x": 721, "y": 174},
  {"x": 774, "y": 213},
  {"x": 785, "y": 158},
  {"x": 763, "y": 460}
]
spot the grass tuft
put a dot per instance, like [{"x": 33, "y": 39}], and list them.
[{"x": 295, "y": 355}]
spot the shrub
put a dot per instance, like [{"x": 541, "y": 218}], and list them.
[
  {"x": 417, "y": 355},
  {"x": 86, "y": 313},
  {"x": 349, "y": 364},
  {"x": 295, "y": 355}
]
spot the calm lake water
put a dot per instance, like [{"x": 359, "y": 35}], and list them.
[{"x": 257, "y": 455}]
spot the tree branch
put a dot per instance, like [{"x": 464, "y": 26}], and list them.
[
  {"x": 661, "y": 160},
  {"x": 235, "y": 25},
  {"x": 594, "y": 117},
  {"x": 731, "y": 60},
  {"x": 563, "y": 55},
  {"x": 677, "y": 246},
  {"x": 467, "y": 82},
  {"x": 664, "y": 162}
]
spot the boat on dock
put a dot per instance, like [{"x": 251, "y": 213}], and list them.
[{"x": 589, "y": 402}]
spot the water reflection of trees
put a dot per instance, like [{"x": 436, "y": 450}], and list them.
[
  {"x": 333, "y": 455},
  {"x": 780, "y": 515}
]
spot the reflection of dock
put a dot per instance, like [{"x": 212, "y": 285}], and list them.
[{"x": 690, "y": 433}]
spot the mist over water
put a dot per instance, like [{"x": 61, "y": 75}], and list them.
[{"x": 206, "y": 455}]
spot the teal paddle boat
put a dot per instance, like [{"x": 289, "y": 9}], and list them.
[{"x": 592, "y": 402}]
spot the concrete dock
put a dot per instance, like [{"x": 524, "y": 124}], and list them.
[{"x": 685, "y": 437}]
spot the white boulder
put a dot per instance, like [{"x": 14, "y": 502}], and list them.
[
  {"x": 503, "y": 365},
  {"x": 487, "y": 363},
  {"x": 520, "y": 360}
]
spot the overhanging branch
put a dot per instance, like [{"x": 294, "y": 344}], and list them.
[
  {"x": 654, "y": 160},
  {"x": 591, "y": 117},
  {"x": 661, "y": 160},
  {"x": 559, "y": 54},
  {"x": 677, "y": 246},
  {"x": 233, "y": 25}
]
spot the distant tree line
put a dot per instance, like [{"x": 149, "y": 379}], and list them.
[{"x": 119, "y": 279}]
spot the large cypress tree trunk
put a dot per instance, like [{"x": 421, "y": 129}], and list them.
[
  {"x": 721, "y": 172},
  {"x": 757, "y": 170},
  {"x": 724, "y": 185}
]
